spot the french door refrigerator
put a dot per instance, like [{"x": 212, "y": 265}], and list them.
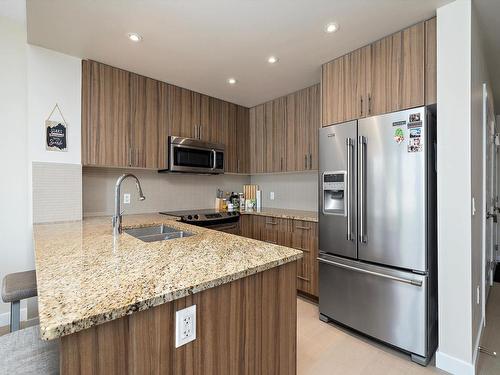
[{"x": 377, "y": 228}]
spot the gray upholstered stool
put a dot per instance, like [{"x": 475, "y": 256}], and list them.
[
  {"x": 24, "y": 353},
  {"x": 15, "y": 287}
]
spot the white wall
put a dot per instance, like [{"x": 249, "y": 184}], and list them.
[
  {"x": 32, "y": 80},
  {"x": 15, "y": 230},
  {"x": 461, "y": 71},
  {"x": 53, "y": 78}
]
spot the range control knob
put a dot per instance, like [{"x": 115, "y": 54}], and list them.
[
  {"x": 196, "y": 217},
  {"x": 189, "y": 217}
]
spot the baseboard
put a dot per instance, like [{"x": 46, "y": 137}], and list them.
[
  {"x": 5, "y": 317},
  {"x": 453, "y": 365}
]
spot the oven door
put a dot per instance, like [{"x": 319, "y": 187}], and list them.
[{"x": 191, "y": 155}]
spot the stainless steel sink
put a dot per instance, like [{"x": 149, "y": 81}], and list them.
[{"x": 157, "y": 233}]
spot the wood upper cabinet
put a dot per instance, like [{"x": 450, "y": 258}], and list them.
[
  {"x": 148, "y": 127},
  {"x": 430, "y": 62},
  {"x": 397, "y": 79},
  {"x": 182, "y": 111},
  {"x": 388, "y": 75},
  {"x": 229, "y": 133},
  {"x": 283, "y": 133},
  {"x": 241, "y": 138},
  {"x": 105, "y": 115}
]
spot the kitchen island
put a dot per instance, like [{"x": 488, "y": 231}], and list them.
[{"x": 112, "y": 301}]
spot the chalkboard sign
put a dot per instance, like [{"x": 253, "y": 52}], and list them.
[
  {"x": 56, "y": 133},
  {"x": 56, "y": 136}
]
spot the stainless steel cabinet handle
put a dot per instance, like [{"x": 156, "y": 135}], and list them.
[
  {"x": 310, "y": 161},
  {"x": 305, "y": 161},
  {"x": 199, "y": 131},
  {"x": 271, "y": 223},
  {"x": 304, "y": 228},
  {"x": 281, "y": 164},
  {"x": 362, "y": 190},
  {"x": 361, "y": 106},
  {"x": 303, "y": 278},
  {"x": 269, "y": 241},
  {"x": 348, "y": 144},
  {"x": 129, "y": 158},
  {"x": 369, "y": 104},
  {"x": 374, "y": 273}
]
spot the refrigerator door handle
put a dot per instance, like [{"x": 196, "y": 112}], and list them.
[
  {"x": 362, "y": 193},
  {"x": 348, "y": 143},
  {"x": 374, "y": 273}
]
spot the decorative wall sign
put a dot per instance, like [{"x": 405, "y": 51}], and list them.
[{"x": 56, "y": 138}]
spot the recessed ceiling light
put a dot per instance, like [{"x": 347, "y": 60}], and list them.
[
  {"x": 134, "y": 37},
  {"x": 272, "y": 60},
  {"x": 331, "y": 27},
  {"x": 231, "y": 81}
]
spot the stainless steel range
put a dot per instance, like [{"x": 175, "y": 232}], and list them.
[{"x": 209, "y": 218}]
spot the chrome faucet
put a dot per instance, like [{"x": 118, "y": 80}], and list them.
[{"x": 117, "y": 217}]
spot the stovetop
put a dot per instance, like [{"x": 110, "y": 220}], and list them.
[{"x": 203, "y": 216}]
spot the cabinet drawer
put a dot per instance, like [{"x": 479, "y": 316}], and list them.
[{"x": 306, "y": 228}]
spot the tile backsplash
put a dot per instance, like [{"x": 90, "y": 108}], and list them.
[
  {"x": 57, "y": 192},
  {"x": 297, "y": 191},
  {"x": 163, "y": 192}
]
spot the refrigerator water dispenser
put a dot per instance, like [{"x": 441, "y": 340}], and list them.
[{"x": 334, "y": 200}]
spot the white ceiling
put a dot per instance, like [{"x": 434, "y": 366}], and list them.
[
  {"x": 488, "y": 13},
  {"x": 198, "y": 44}
]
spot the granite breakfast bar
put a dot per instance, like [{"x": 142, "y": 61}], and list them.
[{"x": 112, "y": 301}]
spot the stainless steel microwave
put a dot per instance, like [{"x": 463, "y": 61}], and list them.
[{"x": 194, "y": 156}]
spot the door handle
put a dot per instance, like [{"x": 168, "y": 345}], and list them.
[
  {"x": 374, "y": 273},
  {"x": 362, "y": 190},
  {"x": 348, "y": 144}
]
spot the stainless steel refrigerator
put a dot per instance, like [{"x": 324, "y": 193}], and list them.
[{"x": 377, "y": 228}]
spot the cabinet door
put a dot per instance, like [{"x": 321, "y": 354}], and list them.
[
  {"x": 397, "y": 76},
  {"x": 305, "y": 238},
  {"x": 357, "y": 71},
  {"x": 229, "y": 134},
  {"x": 302, "y": 126},
  {"x": 242, "y": 140},
  {"x": 210, "y": 125},
  {"x": 332, "y": 92},
  {"x": 293, "y": 159},
  {"x": 182, "y": 111},
  {"x": 279, "y": 135},
  {"x": 105, "y": 129},
  {"x": 430, "y": 62},
  {"x": 246, "y": 225},
  {"x": 144, "y": 123},
  {"x": 257, "y": 135},
  {"x": 313, "y": 125}
]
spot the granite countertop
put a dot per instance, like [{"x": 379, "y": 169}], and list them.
[
  {"x": 285, "y": 213},
  {"x": 87, "y": 277}
]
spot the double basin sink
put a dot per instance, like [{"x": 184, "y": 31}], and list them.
[{"x": 157, "y": 233}]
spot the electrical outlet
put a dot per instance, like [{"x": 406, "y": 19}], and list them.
[
  {"x": 271, "y": 195},
  {"x": 185, "y": 326},
  {"x": 126, "y": 198}
]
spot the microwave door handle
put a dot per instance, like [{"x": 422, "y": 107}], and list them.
[{"x": 214, "y": 153}]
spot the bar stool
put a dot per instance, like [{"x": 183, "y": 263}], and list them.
[{"x": 16, "y": 287}]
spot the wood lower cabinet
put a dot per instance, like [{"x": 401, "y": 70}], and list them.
[
  {"x": 394, "y": 73},
  {"x": 299, "y": 234}
]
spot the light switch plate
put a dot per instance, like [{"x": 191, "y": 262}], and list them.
[
  {"x": 126, "y": 198},
  {"x": 185, "y": 326},
  {"x": 271, "y": 195}
]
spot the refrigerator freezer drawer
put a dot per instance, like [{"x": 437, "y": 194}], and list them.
[{"x": 387, "y": 304}]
